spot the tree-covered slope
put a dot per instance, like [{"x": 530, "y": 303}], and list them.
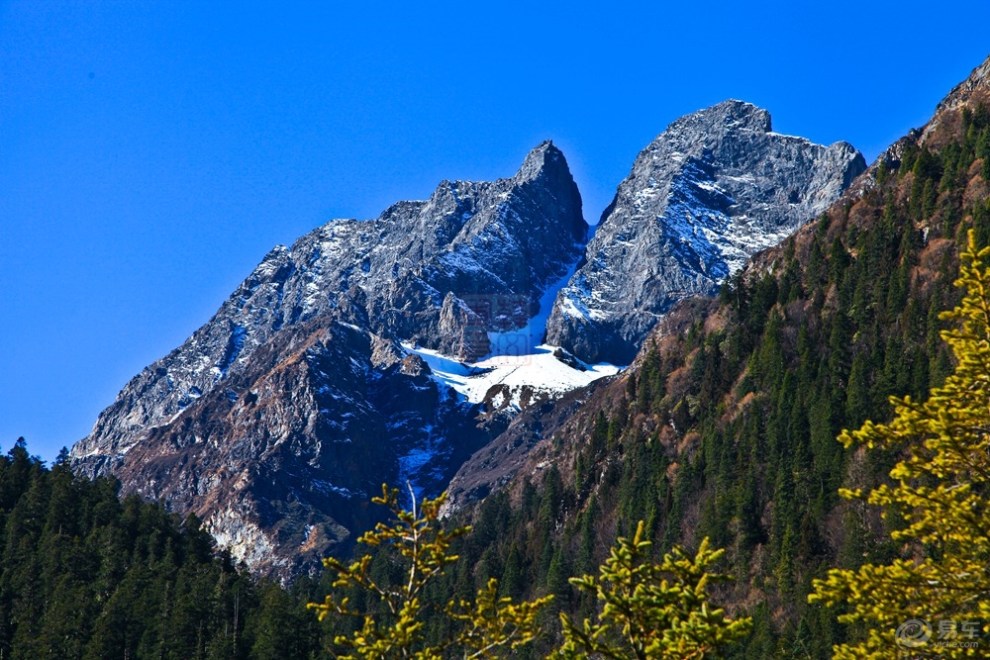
[
  {"x": 726, "y": 424},
  {"x": 84, "y": 574}
]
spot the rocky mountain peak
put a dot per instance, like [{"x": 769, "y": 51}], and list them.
[
  {"x": 708, "y": 192},
  {"x": 302, "y": 394},
  {"x": 298, "y": 393},
  {"x": 729, "y": 116},
  {"x": 469, "y": 244},
  {"x": 544, "y": 160}
]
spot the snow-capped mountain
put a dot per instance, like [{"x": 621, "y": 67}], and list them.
[
  {"x": 475, "y": 257},
  {"x": 711, "y": 190},
  {"x": 402, "y": 348},
  {"x": 278, "y": 418}
]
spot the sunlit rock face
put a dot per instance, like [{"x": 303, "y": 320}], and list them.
[
  {"x": 711, "y": 190},
  {"x": 279, "y": 418}
]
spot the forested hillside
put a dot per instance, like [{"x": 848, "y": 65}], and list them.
[
  {"x": 726, "y": 425},
  {"x": 84, "y": 574}
]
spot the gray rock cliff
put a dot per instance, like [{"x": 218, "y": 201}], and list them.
[
  {"x": 714, "y": 188},
  {"x": 471, "y": 242},
  {"x": 279, "y": 418}
]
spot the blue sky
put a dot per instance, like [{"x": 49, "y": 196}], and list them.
[{"x": 152, "y": 153}]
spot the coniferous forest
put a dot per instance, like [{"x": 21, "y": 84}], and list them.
[
  {"x": 726, "y": 431},
  {"x": 729, "y": 431},
  {"x": 86, "y": 574}
]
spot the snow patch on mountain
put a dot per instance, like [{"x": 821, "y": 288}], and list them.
[
  {"x": 519, "y": 361},
  {"x": 525, "y": 340},
  {"x": 540, "y": 370}
]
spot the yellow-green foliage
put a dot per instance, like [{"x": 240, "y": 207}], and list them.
[
  {"x": 938, "y": 501},
  {"x": 489, "y": 627},
  {"x": 651, "y": 610}
]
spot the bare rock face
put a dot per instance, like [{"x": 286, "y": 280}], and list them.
[
  {"x": 462, "y": 330},
  {"x": 280, "y": 462},
  {"x": 278, "y": 419},
  {"x": 710, "y": 191},
  {"x": 475, "y": 241},
  {"x": 500, "y": 460}
]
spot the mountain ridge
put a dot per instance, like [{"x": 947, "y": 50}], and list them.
[
  {"x": 278, "y": 416},
  {"x": 313, "y": 383},
  {"x": 316, "y": 276},
  {"x": 714, "y": 187}
]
